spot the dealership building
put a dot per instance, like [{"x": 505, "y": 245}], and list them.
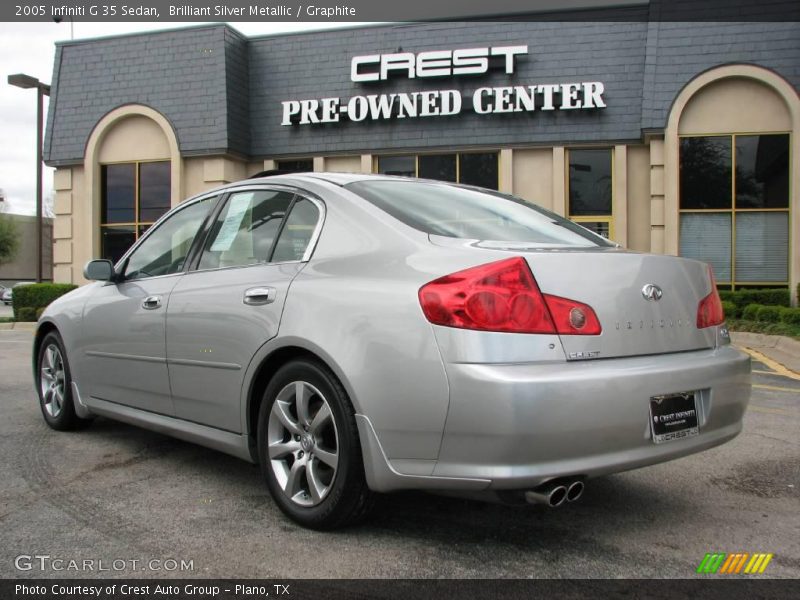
[{"x": 668, "y": 137}]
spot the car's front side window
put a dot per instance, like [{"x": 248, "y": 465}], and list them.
[
  {"x": 164, "y": 251},
  {"x": 245, "y": 229}
]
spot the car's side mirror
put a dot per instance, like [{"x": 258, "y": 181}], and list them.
[{"x": 99, "y": 270}]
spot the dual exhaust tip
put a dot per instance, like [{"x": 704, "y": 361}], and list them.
[{"x": 554, "y": 494}]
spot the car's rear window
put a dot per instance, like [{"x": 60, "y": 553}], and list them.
[{"x": 471, "y": 213}]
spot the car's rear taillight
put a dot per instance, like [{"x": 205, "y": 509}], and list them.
[
  {"x": 572, "y": 317},
  {"x": 709, "y": 311},
  {"x": 503, "y": 296}
]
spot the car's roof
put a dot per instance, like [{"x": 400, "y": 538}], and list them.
[{"x": 335, "y": 178}]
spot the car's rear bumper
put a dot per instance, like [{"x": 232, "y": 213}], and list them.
[{"x": 518, "y": 425}]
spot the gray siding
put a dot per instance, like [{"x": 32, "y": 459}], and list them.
[
  {"x": 678, "y": 52},
  {"x": 316, "y": 65},
  {"x": 238, "y": 91},
  {"x": 223, "y": 92},
  {"x": 179, "y": 73}
]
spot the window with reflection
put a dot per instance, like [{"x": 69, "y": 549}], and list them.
[
  {"x": 405, "y": 166},
  {"x": 437, "y": 166},
  {"x": 734, "y": 206},
  {"x": 590, "y": 189},
  {"x": 133, "y": 196},
  {"x": 471, "y": 168},
  {"x": 299, "y": 165}
]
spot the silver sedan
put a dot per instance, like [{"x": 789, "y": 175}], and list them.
[{"x": 355, "y": 334}]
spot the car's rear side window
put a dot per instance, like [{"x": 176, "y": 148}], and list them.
[
  {"x": 297, "y": 232},
  {"x": 245, "y": 229},
  {"x": 471, "y": 213}
]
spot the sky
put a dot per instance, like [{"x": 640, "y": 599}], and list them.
[{"x": 29, "y": 48}]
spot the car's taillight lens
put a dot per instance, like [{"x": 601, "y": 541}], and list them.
[
  {"x": 572, "y": 317},
  {"x": 503, "y": 296},
  {"x": 709, "y": 311}
]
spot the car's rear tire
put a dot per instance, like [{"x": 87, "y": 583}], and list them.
[
  {"x": 54, "y": 385},
  {"x": 309, "y": 449}
]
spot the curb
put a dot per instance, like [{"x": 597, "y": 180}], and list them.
[
  {"x": 762, "y": 340},
  {"x": 18, "y": 326},
  {"x": 781, "y": 349}
]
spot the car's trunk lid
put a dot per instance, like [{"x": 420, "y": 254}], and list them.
[{"x": 619, "y": 286}]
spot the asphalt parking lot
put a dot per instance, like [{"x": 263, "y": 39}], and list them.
[{"x": 115, "y": 492}]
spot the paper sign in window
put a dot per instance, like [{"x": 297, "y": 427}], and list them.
[{"x": 237, "y": 208}]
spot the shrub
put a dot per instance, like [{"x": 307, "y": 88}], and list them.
[
  {"x": 25, "y": 313},
  {"x": 726, "y": 295},
  {"x": 731, "y": 311},
  {"x": 790, "y": 316},
  {"x": 769, "y": 314},
  {"x": 37, "y": 295},
  {"x": 750, "y": 312},
  {"x": 777, "y": 297}
]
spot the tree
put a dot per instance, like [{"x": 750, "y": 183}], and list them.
[{"x": 9, "y": 239}]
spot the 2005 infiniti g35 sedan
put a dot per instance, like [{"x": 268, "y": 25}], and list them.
[{"x": 355, "y": 334}]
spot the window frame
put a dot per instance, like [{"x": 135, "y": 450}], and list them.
[
  {"x": 196, "y": 252},
  {"x": 733, "y": 284},
  {"x": 136, "y": 223},
  {"x": 376, "y": 163},
  {"x": 581, "y": 219},
  {"x": 278, "y": 162}
]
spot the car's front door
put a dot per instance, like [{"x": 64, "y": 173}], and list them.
[
  {"x": 125, "y": 322},
  {"x": 223, "y": 311}
]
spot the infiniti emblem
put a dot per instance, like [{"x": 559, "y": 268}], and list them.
[{"x": 652, "y": 292}]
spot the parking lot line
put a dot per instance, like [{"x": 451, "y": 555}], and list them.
[
  {"x": 772, "y": 411},
  {"x": 775, "y": 366},
  {"x": 776, "y": 388}
]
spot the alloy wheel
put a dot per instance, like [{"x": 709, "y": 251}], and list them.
[
  {"x": 303, "y": 443},
  {"x": 52, "y": 380}
]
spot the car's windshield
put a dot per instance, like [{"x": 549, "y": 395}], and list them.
[{"x": 470, "y": 213}]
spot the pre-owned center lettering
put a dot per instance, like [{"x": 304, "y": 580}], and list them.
[{"x": 443, "y": 102}]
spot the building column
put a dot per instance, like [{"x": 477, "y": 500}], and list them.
[
  {"x": 559, "y": 181},
  {"x": 505, "y": 169},
  {"x": 319, "y": 164},
  {"x": 366, "y": 163},
  {"x": 619, "y": 208},
  {"x": 217, "y": 171},
  {"x": 657, "y": 239},
  {"x": 62, "y": 227}
]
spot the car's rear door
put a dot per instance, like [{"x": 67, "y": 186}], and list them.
[{"x": 230, "y": 304}]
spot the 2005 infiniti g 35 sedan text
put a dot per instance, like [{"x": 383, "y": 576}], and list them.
[{"x": 355, "y": 334}]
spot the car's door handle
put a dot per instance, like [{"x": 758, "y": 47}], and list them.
[
  {"x": 151, "y": 303},
  {"x": 260, "y": 295}
]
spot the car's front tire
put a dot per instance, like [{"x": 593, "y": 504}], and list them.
[
  {"x": 54, "y": 381},
  {"x": 309, "y": 449}
]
